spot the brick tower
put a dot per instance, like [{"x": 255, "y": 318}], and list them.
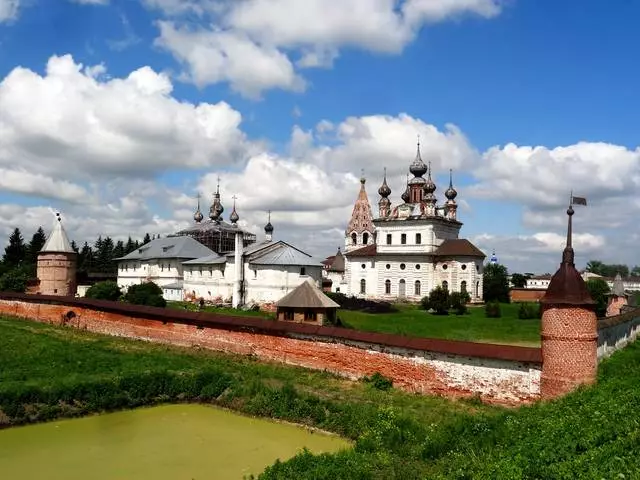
[
  {"x": 57, "y": 264},
  {"x": 569, "y": 328}
]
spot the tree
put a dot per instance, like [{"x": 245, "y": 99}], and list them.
[
  {"x": 458, "y": 301},
  {"x": 599, "y": 290},
  {"x": 148, "y": 294},
  {"x": 35, "y": 245},
  {"x": 496, "y": 283},
  {"x": 146, "y": 239},
  {"x": 118, "y": 250},
  {"x": 635, "y": 271},
  {"x": 74, "y": 246},
  {"x": 607, "y": 270},
  {"x": 15, "y": 253},
  {"x": 108, "y": 290},
  {"x": 85, "y": 258},
  {"x": 129, "y": 247},
  {"x": 14, "y": 281},
  {"x": 518, "y": 280}
]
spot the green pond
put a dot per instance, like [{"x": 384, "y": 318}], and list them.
[{"x": 191, "y": 442}]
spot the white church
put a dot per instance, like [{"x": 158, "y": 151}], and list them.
[
  {"x": 219, "y": 262},
  {"x": 411, "y": 247}
]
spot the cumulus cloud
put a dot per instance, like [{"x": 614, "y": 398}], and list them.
[
  {"x": 256, "y": 45},
  {"x": 8, "y": 10},
  {"x": 72, "y": 120}
]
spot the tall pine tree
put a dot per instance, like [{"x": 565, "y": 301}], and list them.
[
  {"x": 35, "y": 245},
  {"x": 146, "y": 239},
  {"x": 15, "y": 253}
]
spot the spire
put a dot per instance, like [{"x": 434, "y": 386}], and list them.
[
  {"x": 361, "y": 216},
  {"x": 618, "y": 287},
  {"x": 362, "y": 179},
  {"x": 567, "y": 285},
  {"x": 198, "y": 215},
  {"x": 268, "y": 228},
  {"x": 451, "y": 193},
  {"x": 58, "y": 242},
  {"x": 234, "y": 217},
  {"x": 430, "y": 186}
]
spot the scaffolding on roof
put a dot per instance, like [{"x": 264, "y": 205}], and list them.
[{"x": 218, "y": 236}]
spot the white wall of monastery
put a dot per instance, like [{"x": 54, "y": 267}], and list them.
[{"x": 161, "y": 272}]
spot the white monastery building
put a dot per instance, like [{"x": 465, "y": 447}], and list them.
[
  {"x": 196, "y": 263},
  {"x": 410, "y": 248}
]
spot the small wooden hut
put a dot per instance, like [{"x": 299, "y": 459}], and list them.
[{"x": 306, "y": 304}]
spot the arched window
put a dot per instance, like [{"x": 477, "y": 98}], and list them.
[
  {"x": 363, "y": 286},
  {"x": 417, "y": 287},
  {"x": 387, "y": 287},
  {"x": 402, "y": 288},
  {"x": 463, "y": 286},
  {"x": 365, "y": 238},
  {"x": 354, "y": 239},
  {"x": 445, "y": 285},
  {"x": 418, "y": 238},
  {"x": 477, "y": 289}
]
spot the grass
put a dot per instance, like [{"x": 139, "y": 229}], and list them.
[
  {"x": 219, "y": 310},
  {"x": 592, "y": 433},
  {"x": 474, "y": 326}
]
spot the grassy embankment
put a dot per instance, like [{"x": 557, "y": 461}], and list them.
[
  {"x": 410, "y": 320},
  {"x": 593, "y": 433}
]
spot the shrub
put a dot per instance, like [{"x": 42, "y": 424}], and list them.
[
  {"x": 148, "y": 294},
  {"x": 14, "y": 281},
  {"x": 108, "y": 290},
  {"x": 458, "y": 302},
  {"x": 439, "y": 300},
  {"x": 492, "y": 310},
  {"x": 379, "y": 381},
  {"x": 529, "y": 311},
  {"x": 361, "y": 304}
]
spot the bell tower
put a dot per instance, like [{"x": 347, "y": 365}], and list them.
[{"x": 360, "y": 229}]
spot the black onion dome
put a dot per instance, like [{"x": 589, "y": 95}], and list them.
[
  {"x": 384, "y": 190},
  {"x": 418, "y": 168},
  {"x": 430, "y": 186},
  {"x": 406, "y": 195},
  {"x": 451, "y": 192},
  {"x": 268, "y": 228},
  {"x": 198, "y": 216},
  {"x": 234, "y": 217}
]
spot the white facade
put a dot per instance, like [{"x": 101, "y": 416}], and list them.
[
  {"x": 159, "y": 271},
  {"x": 542, "y": 282}
]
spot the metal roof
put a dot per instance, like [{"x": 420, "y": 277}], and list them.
[
  {"x": 169, "y": 247},
  {"x": 208, "y": 260},
  {"x": 458, "y": 247},
  {"x": 58, "y": 240},
  {"x": 306, "y": 295},
  {"x": 285, "y": 254}
]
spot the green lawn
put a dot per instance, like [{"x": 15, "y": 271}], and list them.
[
  {"x": 593, "y": 433},
  {"x": 474, "y": 326},
  {"x": 219, "y": 310}
]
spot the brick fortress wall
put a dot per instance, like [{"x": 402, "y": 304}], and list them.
[
  {"x": 497, "y": 373},
  {"x": 616, "y": 332}
]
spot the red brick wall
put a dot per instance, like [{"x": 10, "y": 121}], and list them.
[
  {"x": 499, "y": 374},
  {"x": 518, "y": 295},
  {"x": 569, "y": 349}
]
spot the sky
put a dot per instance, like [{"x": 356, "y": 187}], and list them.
[{"x": 118, "y": 113}]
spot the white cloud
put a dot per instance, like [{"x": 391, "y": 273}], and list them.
[
  {"x": 262, "y": 39},
  {"x": 70, "y": 121},
  {"x": 8, "y": 10}
]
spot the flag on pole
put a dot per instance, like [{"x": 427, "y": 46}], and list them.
[{"x": 578, "y": 201}]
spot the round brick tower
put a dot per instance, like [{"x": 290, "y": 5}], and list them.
[
  {"x": 569, "y": 329},
  {"x": 57, "y": 264}
]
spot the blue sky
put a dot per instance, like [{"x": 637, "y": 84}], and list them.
[{"x": 552, "y": 75}]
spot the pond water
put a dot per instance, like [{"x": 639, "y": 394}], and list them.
[{"x": 190, "y": 442}]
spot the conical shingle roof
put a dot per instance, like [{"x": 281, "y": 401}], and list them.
[{"x": 58, "y": 242}]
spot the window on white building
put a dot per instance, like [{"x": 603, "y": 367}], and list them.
[
  {"x": 387, "y": 287},
  {"x": 463, "y": 286},
  {"x": 402, "y": 288},
  {"x": 363, "y": 266},
  {"x": 365, "y": 238},
  {"x": 444, "y": 267},
  {"x": 363, "y": 286},
  {"x": 354, "y": 239},
  {"x": 403, "y": 238},
  {"x": 417, "y": 287},
  {"x": 418, "y": 238},
  {"x": 463, "y": 267},
  {"x": 402, "y": 266},
  {"x": 445, "y": 285},
  {"x": 303, "y": 271},
  {"x": 388, "y": 239}
]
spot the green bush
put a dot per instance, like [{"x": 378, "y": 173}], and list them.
[
  {"x": 107, "y": 290},
  {"x": 492, "y": 310},
  {"x": 379, "y": 381},
  {"x": 148, "y": 294},
  {"x": 14, "y": 281},
  {"x": 458, "y": 302},
  {"x": 438, "y": 301},
  {"x": 528, "y": 311}
]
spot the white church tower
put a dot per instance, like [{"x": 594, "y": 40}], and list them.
[{"x": 360, "y": 231}]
